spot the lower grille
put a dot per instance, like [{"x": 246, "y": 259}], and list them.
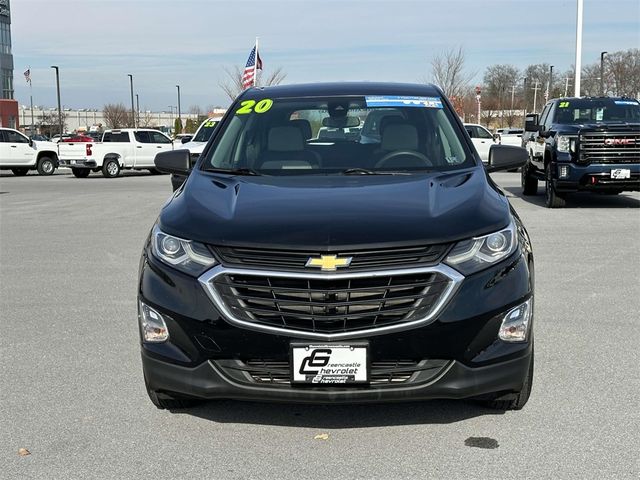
[
  {"x": 389, "y": 372},
  {"x": 610, "y": 147},
  {"x": 330, "y": 305}
]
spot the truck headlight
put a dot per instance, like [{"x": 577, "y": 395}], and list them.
[
  {"x": 566, "y": 143},
  {"x": 189, "y": 257},
  {"x": 470, "y": 256}
]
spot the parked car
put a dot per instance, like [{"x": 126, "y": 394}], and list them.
[
  {"x": 20, "y": 154},
  {"x": 482, "y": 139},
  {"x": 313, "y": 271},
  {"x": 128, "y": 148},
  {"x": 583, "y": 144},
  {"x": 510, "y": 136},
  {"x": 195, "y": 146}
]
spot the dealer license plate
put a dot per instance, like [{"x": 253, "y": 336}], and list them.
[
  {"x": 329, "y": 364},
  {"x": 620, "y": 173}
]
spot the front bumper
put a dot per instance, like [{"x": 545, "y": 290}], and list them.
[
  {"x": 209, "y": 381},
  {"x": 595, "y": 177}
]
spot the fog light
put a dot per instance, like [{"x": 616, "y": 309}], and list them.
[
  {"x": 515, "y": 325},
  {"x": 563, "y": 171},
  {"x": 152, "y": 324}
]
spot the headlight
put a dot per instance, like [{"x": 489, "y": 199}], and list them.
[
  {"x": 470, "y": 256},
  {"x": 566, "y": 143},
  {"x": 184, "y": 255}
]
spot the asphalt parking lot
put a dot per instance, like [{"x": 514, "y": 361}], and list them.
[{"x": 71, "y": 389}]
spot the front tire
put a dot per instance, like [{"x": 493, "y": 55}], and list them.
[
  {"x": 46, "y": 166},
  {"x": 20, "y": 172},
  {"x": 81, "y": 172},
  {"x": 520, "y": 399},
  {"x": 529, "y": 184},
  {"x": 163, "y": 401},
  {"x": 111, "y": 168},
  {"x": 552, "y": 198}
]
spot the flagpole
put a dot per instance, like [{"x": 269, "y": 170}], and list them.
[
  {"x": 255, "y": 66},
  {"x": 33, "y": 132}
]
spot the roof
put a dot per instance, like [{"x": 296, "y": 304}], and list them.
[{"x": 343, "y": 88}]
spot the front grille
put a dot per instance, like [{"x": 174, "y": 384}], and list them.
[
  {"x": 361, "y": 259},
  {"x": 331, "y": 305},
  {"x": 389, "y": 372},
  {"x": 609, "y": 147}
]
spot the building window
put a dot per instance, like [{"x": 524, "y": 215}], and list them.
[
  {"x": 5, "y": 38},
  {"x": 6, "y": 82}
]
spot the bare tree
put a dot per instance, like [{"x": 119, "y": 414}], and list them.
[
  {"x": 116, "y": 115},
  {"x": 195, "y": 110},
  {"x": 49, "y": 123},
  {"x": 231, "y": 84},
  {"x": 146, "y": 119},
  {"x": 448, "y": 72},
  {"x": 623, "y": 71}
]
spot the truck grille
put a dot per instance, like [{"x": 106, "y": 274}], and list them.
[
  {"x": 387, "y": 372},
  {"x": 334, "y": 304},
  {"x": 610, "y": 147},
  {"x": 361, "y": 259}
]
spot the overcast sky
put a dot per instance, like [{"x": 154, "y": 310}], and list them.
[{"x": 162, "y": 43}]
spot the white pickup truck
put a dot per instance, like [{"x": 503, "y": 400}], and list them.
[
  {"x": 20, "y": 154},
  {"x": 128, "y": 148}
]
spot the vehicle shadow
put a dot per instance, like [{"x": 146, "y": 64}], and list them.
[
  {"x": 580, "y": 199},
  {"x": 339, "y": 416}
]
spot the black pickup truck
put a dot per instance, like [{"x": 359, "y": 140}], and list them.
[{"x": 583, "y": 144}]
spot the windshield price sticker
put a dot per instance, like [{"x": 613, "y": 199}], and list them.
[
  {"x": 210, "y": 123},
  {"x": 251, "y": 106},
  {"x": 403, "y": 101},
  {"x": 563, "y": 105},
  {"x": 329, "y": 364}
]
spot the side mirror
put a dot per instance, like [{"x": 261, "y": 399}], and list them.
[
  {"x": 186, "y": 139},
  {"x": 173, "y": 161},
  {"x": 506, "y": 157},
  {"x": 531, "y": 123},
  {"x": 30, "y": 142}
]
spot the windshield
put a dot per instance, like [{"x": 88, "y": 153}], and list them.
[
  {"x": 359, "y": 135},
  {"x": 204, "y": 132},
  {"x": 597, "y": 111}
]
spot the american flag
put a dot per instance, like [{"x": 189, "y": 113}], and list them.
[
  {"x": 27, "y": 76},
  {"x": 254, "y": 63}
]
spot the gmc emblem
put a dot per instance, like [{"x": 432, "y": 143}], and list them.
[{"x": 619, "y": 141}]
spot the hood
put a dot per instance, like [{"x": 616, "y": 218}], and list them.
[
  {"x": 41, "y": 145},
  {"x": 193, "y": 147},
  {"x": 331, "y": 212}
]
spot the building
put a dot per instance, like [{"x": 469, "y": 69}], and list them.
[{"x": 8, "y": 106}]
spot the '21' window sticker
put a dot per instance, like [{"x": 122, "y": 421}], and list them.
[{"x": 251, "y": 106}]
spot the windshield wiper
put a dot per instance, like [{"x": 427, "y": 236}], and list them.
[
  {"x": 364, "y": 171},
  {"x": 233, "y": 171}
]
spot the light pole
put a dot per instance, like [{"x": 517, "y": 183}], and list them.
[
  {"x": 478, "y": 99},
  {"x": 138, "y": 108},
  {"x": 602, "y": 54},
  {"x": 55, "y": 67},
  {"x": 550, "y": 86},
  {"x": 179, "y": 111},
  {"x": 576, "y": 87},
  {"x": 133, "y": 111}
]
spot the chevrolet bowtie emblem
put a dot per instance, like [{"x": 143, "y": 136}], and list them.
[{"x": 328, "y": 263}]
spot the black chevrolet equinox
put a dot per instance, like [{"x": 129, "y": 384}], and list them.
[{"x": 335, "y": 243}]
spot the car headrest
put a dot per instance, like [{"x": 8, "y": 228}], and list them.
[
  {"x": 389, "y": 120},
  {"x": 399, "y": 136},
  {"x": 304, "y": 126},
  {"x": 285, "y": 139}
]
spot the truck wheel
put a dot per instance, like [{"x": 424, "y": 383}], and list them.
[
  {"x": 553, "y": 199},
  {"x": 111, "y": 168},
  {"x": 163, "y": 401},
  {"x": 529, "y": 183},
  {"x": 81, "y": 172},
  {"x": 46, "y": 166},
  {"x": 519, "y": 399},
  {"x": 20, "y": 172}
]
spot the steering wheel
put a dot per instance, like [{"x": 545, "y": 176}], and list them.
[{"x": 398, "y": 153}]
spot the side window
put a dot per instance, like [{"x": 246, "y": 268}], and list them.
[
  {"x": 549, "y": 120},
  {"x": 119, "y": 137},
  {"x": 482, "y": 133},
  {"x": 142, "y": 137},
  {"x": 544, "y": 114},
  {"x": 157, "y": 137},
  {"x": 471, "y": 131},
  {"x": 2, "y": 139},
  {"x": 14, "y": 137}
]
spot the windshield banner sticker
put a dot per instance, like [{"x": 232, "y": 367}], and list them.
[
  {"x": 626, "y": 102},
  {"x": 403, "y": 101}
]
